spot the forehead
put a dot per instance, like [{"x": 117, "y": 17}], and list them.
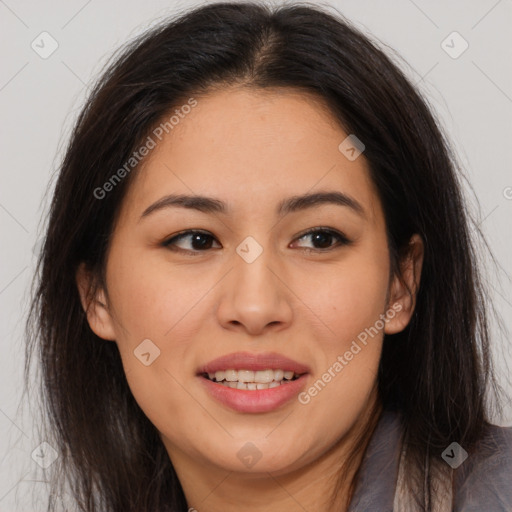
[{"x": 248, "y": 145}]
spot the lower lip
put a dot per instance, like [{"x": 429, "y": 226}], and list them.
[{"x": 257, "y": 400}]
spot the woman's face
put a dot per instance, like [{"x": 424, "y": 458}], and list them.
[{"x": 253, "y": 281}]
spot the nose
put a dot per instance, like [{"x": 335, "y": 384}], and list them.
[{"x": 255, "y": 297}]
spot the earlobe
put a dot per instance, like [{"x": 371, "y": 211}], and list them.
[
  {"x": 94, "y": 304},
  {"x": 404, "y": 287}
]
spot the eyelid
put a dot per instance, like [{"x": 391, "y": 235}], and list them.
[{"x": 184, "y": 234}]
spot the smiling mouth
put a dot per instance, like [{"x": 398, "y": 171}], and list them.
[{"x": 252, "y": 380}]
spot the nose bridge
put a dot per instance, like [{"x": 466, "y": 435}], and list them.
[{"x": 253, "y": 262}]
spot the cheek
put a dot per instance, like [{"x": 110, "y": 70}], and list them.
[
  {"x": 163, "y": 305},
  {"x": 151, "y": 297},
  {"x": 347, "y": 368},
  {"x": 349, "y": 337},
  {"x": 347, "y": 298}
]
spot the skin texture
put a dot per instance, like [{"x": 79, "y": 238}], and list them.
[{"x": 251, "y": 149}]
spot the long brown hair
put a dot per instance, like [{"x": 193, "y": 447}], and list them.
[{"x": 435, "y": 372}]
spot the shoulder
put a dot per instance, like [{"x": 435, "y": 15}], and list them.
[{"x": 484, "y": 480}]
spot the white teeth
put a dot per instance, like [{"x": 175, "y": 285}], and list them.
[
  {"x": 264, "y": 376},
  {"x": 231, "y": 375},
  {"x": 249, "y": 379},
  {"x": 245, "y": 376},
  {"x": 261, "y": 376}
]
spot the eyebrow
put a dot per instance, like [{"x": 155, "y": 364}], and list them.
[{"x": 289, "y": 205}]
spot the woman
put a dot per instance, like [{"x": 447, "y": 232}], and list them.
[{"x": 203, "y": 347}]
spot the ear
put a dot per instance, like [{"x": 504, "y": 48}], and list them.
[
  {"x": 95, "y": 306},
  {"x": 404, "y": 287}
]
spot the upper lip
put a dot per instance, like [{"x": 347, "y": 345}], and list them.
[{"x": 255, "y": 362}]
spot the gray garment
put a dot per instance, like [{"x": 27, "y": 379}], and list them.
[{"x": 483, "y": 482}]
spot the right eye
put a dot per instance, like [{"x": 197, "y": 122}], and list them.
[{"x": 198, "y": 241}]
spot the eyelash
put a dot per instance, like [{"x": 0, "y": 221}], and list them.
[{"x": 342, "y": 240}]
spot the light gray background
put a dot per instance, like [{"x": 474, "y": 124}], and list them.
[{"x": 40, "y": 99}]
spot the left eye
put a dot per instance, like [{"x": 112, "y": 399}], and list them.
[
  {"x": 322, "y": 236},
  {"x": 201, "y": 241}
]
